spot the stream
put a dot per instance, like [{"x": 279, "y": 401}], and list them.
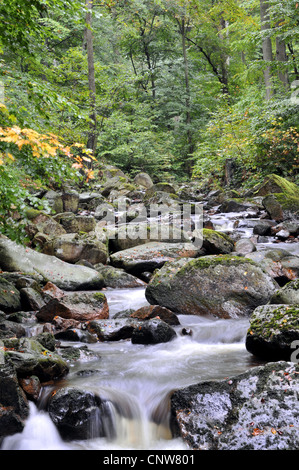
[{"x": 138, "y": 379}]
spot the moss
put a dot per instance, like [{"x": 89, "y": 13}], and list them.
[
  {"x": 282, "y": 318},
  {"x": 99, "y": 296},
  {"x": 207, "y": 233},
  {"x": 286, "y": 192},
  {"x": 31, "y": 213}
]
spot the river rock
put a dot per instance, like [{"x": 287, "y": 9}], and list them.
[
  {"x": 232, "y": 205},
  {"x": 114, "y": 329},
  {"x": 153, "y": 331},
  {"x": 244, "y": 246},
  {"x": 72, "y": 223},
  {"x": 73, "y": 247},
  {"x": 215, "y": 243},
  {"x": 256, "y": 410},
  {"x": 14, "y": 407},
  {"x": 278, "y": 263},
  {"x": 152, "y": 311},
  {"x": 273, "y": 208},
  {"x": 10, "y": 298},
  {"x": 118, "y": 278},
  {"x": 81, "y": 306},
  {"x": 273, "y": 332},
  {"x": 224, "y": 286},
  {"x": 288, "y": 294},
  {"x": 16, "y": 258},
  {"x": 80, "y": 414},
  {"x": 143, "y": 179},
  {"x": 151, "y": 256},
  {"x": 29, "y": 357}
]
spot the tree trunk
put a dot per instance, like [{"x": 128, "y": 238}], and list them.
[
  {"x": 92, "y": 136},
  {"x": 281, "y": 56},
  {"x": 183, "y": 31},
  {"x": 267, "y": 48}
]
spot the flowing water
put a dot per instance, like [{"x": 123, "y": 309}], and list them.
[{"x": 137, "y": 379}]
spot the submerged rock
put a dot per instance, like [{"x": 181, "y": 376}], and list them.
[
  {"x": 256, "y": 410},
  {"x": 80, "y": 414},
  {"x": 153, "y": 332},
  {"x": 224, "y": 286}
]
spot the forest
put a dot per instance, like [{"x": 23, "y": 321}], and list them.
[{"x": 175, "y": 88}]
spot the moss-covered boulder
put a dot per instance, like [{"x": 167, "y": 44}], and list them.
[
  {"x": 222, "y": 285},
  {"x": 286, "y": 192},
  {"x": 274, "y": 332},
  {"x": 215, "y": 243},
  {"x": 30, "y": 357},
  {"x": 74, "y": 247}
]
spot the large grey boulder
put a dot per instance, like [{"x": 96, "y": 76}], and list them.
[
  {"x": 256, "y": 410},
  {"x": 17, "y": 258},
  {"x": 224, "y": 286},
  {"x": 151, "y": 256}
]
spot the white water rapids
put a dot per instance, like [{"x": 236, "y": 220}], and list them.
[{"x": 138, "y": 379}]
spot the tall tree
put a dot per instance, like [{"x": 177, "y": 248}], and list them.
[
  {"x": 92, "y": 136},
  {"x": 267, "y": 47}
]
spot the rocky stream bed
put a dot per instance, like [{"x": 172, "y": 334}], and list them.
[{"x": 114, "y": 337}]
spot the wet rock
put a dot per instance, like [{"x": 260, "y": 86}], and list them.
[
  {"x": 256, "y": 410},
  {"x": 222, "y": 285},
  {"x": 288, "y": 294},
  {"x": 80, "y": 306},
  {"x": 153, "y": 311},
  {"x": 273, "y": 208},
  {"x": 278, "y": 263},
  {"x": 244, "y": 246},
  {"x": 29, "y": 357},
  {"x": 10, "y": 298},
  {"x": 263, "y": 228},
  {"x": 76, "y": 334},
  {"x": 16, "y": 258},
  {"x": 114, "y": 329},
  {"x": 14, "y": 407},
  {"x": 215, "y": 242},
  {"x": 73, "y": 247},
  {"x": 31, "y": 299},
  {"x": 232, "y": 205},
  {"x": 151, "y": 256},
  {"x": 118, "y": 278},
  {"x": 273, "y": 332},
  {"x": 153, "y": 332},
  {"x": 80, "y": 414},
  {"x": 31, "y": 387}
]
